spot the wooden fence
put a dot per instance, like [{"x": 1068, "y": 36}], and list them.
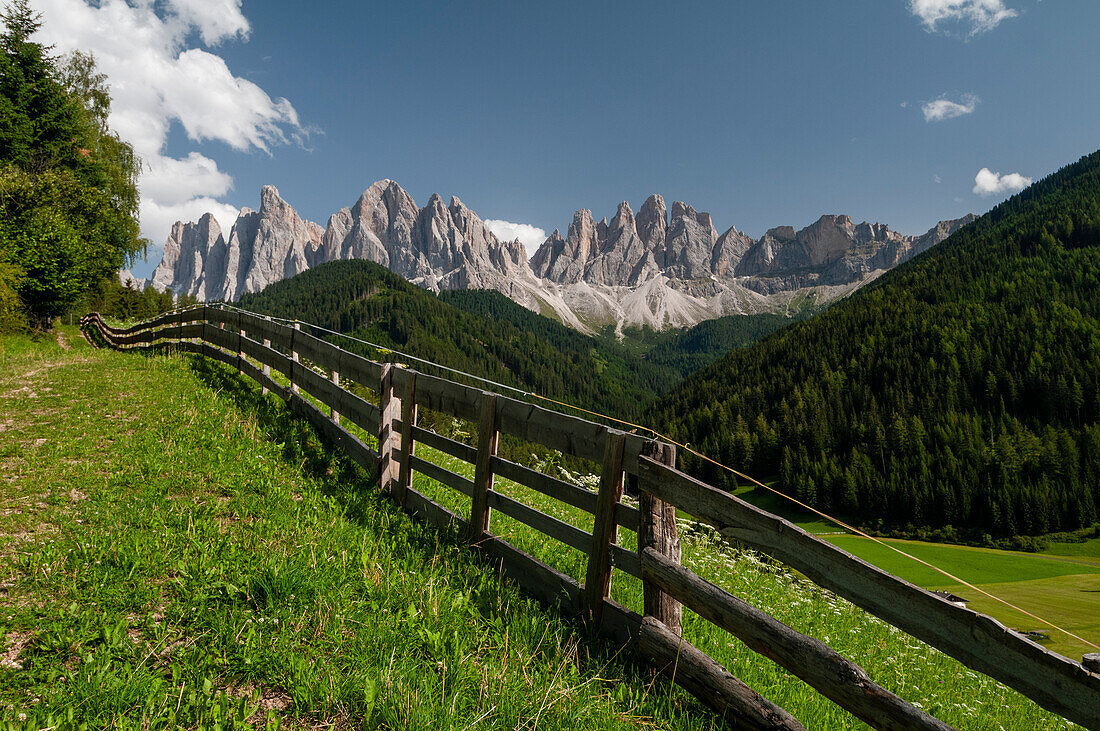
[{"x": 255, "y": 345}]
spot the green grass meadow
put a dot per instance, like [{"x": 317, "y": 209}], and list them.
[
  {"x": 1064, "y": 590},
  {"x": 176, "y": 550}
]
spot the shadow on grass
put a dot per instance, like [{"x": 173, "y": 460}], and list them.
[
  {"x": 340, "y": 477},
  {"x": 356, "y": 491}
]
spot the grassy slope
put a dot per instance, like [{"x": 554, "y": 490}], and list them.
[
  {"x": 205, "y": 516},
  {"x": 160, "y": 540}
]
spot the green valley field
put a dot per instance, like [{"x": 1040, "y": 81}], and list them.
[
  {"x": 1064, "y": 591},
  {"x": 176, "y": 549},
  {"x": 1060, "y": 585}
]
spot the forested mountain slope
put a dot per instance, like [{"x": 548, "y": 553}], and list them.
[
  {"x": 962, "y": 388},
  {"x": 686, "y": 351},
  {"x": 362, "y": 298}
]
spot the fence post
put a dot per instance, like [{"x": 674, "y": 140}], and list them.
[
  {"x": 389, "y": 440},
  {"x": 658, "y": 531},
  {"x": 293, "y": 359},
  {"x": 267, "y": 368},
  {"x": 240, "y": 345},
  {"x": 487, "y": 437},
  {"x": 333, "y": 413},
  {"x": 408, "y": 419},
  {"x": 597, "y": 583}
]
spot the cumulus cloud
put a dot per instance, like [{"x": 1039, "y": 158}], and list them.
[
  {"x": 530, "y": 236},
  {"x": 171, "y": 181},
  {"x": 216, "y": 20},
  {"x": 158, "y": 80},
  {"x": 943, "y": 108},
  {"x": 978, "y": 16},
  {"x": 987, "y": 183}
]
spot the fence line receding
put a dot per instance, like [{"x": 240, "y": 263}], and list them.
[{"x": 256, "y": 346}]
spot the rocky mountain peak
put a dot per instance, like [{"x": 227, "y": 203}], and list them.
[
  {"x": 782, "y": 233},
  {"x": 270, "y": 200},
  {"x": 662, "y": 267},
  {"x": 190, "y": 250},
  {"x": 689, "y": 246},
  {"x": 622, "y": 224},
  {"x": 652, "y": 222}
]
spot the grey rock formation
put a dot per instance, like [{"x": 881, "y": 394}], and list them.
[
  {"x": 127, "y": 279},
  {"x": 689, "y": 247},
  {"x": 264, "y": 246},
  {"x": 832, "y": 251},
  {"x": 652, "y": 222},
  {"x": 380, "y": 222},
  {"x": 661, "y": 268},
  {"x": 622, "y": 256},
  {"x": 564, "y": 260},
  {"x": 282, "y": 247},
  {"x": 728, "y": 251},
  {"x": 192, "y": 249}
]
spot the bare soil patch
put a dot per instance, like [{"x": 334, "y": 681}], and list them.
[{"x": 15, "y": 642}]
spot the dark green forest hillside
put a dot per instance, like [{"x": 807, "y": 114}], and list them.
[
  {"x": 524, "y": 350},
  {"x": 962, "y": 388},
  {"x": 687, "y": 351}
]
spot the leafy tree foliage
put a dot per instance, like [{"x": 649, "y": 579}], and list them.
[
  {"x": 961, "y": 389},
  {"x": 125, "y": 301},
  {"x": 68, "y": 193}
]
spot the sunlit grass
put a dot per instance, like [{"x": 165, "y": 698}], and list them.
[{"x": 177, "y": 550}]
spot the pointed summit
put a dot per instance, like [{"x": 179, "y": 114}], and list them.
[{"x": 652, "y": 222}]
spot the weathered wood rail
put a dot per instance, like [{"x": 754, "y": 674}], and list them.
[{"x": 255, "y": 345}]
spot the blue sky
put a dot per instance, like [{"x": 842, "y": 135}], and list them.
[{"x": 763, "y": 113}]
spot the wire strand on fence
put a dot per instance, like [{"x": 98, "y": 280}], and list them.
[{"x": 664, "y": 437}]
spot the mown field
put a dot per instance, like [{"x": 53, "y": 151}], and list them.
[
  {"x": 1061, "y": 590},
  {"x": 175, "y": 550},
  {"x": 1060, "y": 584}
]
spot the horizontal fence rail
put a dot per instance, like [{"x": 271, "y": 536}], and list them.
[{"x": 257, "y": 346}]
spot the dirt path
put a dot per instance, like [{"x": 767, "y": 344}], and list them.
[{"x": 62, "y": 342}]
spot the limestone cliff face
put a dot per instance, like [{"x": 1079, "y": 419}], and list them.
[
  {"x": 379, "y": 224},
  {"x": 191, "y": 251},
  {"x": 833, "y": 251},
  {"x": 280, "y": 248},
  {"x": 689, "y": 247},
  {"x": 564, "y": 260},
  {"x": 660, "y": 268},
  {"x": 439, "y": 246}
]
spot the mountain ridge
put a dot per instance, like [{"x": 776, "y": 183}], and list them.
[{"x": 663, "y": 267}]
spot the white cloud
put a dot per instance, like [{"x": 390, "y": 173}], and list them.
[
  {"x": 978, "y": 15},
  {"x": 530, "y": 236},
  {"x": 937, "y": 179},
  {"x": 169, "y": 181},
  {"x": 987, "y": 183},
  {"x": 943, "y": 108},
  {"x": 216, "y": 20},
  {"x": 157, "y": 80}
]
